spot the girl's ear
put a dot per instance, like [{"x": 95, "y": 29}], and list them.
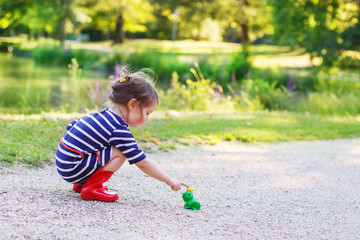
[{"x": 132, "y": 104}]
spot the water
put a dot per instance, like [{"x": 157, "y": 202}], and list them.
[{"x": 26, "y": 88}]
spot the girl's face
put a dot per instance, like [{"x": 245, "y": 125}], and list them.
[{"x": 138, "y": 115}]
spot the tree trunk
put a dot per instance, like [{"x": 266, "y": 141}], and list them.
[
  {"x": 65, "y": 8},
  {"x": 119, "y": 31},
  {"x": 243, "y": 21},
  {"x": 198, "y": 35},
  {"x": 245, "y": 33}
]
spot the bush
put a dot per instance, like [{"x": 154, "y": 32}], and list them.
[
  {"x": 336, "y": 86},
  {"x": 8, "y": 46},
  {"x": 162, "y": 64},
  {"x": 330, "y": 103},
  {"x": 349, "y": 59},
  {"x": 199, "y": 95},
  {"x": 302, "y": 83},
  {"x": 50, "y": 54},
  {"x": 86, "y": 59},
  {"x": 194, "y": 96},
  {"x": 238, "y": 67},
  {"x": 268, "y": 94}
]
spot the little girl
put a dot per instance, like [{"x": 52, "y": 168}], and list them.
[{"x": 97, "y": 145}]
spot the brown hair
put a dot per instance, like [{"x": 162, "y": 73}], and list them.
[{"x": 127, "y": 85}]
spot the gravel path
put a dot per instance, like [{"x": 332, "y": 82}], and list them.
[{"x": 297, "y": 190}]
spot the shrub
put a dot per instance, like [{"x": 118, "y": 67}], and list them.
[
  {"x": 199, "y": 95},
  {"x": 8, "y": 46},
  {"x": 243, "y": 101},
  {"x": 50, "y": 54},
  {"x": 239, "y": 66},
  {"x": 350, "y": 59},
  {"x": 302, "y": 83},
  {"x": 330, "y": 103},
  {"x": 86, "y": 58},
  {"x": 270, "y": 97},
  {"x": 162, "y": 64}
]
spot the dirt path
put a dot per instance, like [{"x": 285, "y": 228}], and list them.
[{"x": 298, "y": 190}]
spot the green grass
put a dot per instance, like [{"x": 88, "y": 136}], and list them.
[
  {"x": 249, "y": 127},
  {"x": 33, "y": 140},
  {"x": 29, "y": 141}
]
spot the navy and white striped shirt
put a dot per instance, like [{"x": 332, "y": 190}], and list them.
[{"x": 101, "y": 130}]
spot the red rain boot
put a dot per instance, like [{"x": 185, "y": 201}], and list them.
[
  {"x": 94, "y": 190},
  {"x": 77, "y": 187}
]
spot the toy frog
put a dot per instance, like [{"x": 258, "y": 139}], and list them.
[{"x": 190, "y": 201}]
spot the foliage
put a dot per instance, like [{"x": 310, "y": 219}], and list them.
[
  {"x": 53, "y": 54},
  {"x": 163, "y": 64},
  {"x": 199, "y": 95},
  {"x": 270, "y": 97},
  {"x": 322, "y": 27},
  {"x": 330, "y": 104},
  {"x": 323, "y": 97},
  {"x": 349, "y": 59},
  {"x": 302, "y": 83},
  {"x": 239, "y": 66},
  {"x": 351, "y": 37},
  {"x": 50, "y": 54},
  {"x": 244, "y": 20},
  {"x": 8, "y": 45},
  {"x": 115, "y": 17},
  {"x": 12, "y": 11},
  {"x": 212, "y": 87},
  {"x": 315, "y": 25}
]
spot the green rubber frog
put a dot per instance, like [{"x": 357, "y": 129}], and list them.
[{"x": 190, "y": 201}]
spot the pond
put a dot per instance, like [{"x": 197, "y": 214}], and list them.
[{"x": 26, "y": 88}]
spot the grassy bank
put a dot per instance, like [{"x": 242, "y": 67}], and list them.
[{"x": 33, "y": 139}]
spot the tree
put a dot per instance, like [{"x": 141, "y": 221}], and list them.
[
  {"x": 315, "y": 25},
  {"x": 249, "y": 19},
  {"x": 11, "y": 12},
  {"x": 41, "y": 18},
  {"x": 192, "y": 16},
  {"x": 120, "y": 16},
  {"x": 351, "y": 35}
]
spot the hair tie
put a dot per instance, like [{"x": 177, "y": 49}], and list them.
[{"x": 122, "y": 79}]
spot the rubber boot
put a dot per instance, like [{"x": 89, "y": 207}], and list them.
[
  {"x": 77, "y": 187},
  {"x": 94, "y": 190}
]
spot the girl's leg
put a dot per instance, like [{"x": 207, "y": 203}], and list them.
[
  {"x": 94, "y": 188},
  {"x": 117, "y": 159}
]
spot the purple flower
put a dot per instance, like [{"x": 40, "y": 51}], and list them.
[
  {"x": 233, "y": 78},
  {"x": 117, "y": 71},
  {"x": 290, "y": 85},
  {"x": 217, "y": 91},
  {"x": 97, "y": 88},
  {"x": 249, "y": 74},
  {"x": 171, "y": 86}
]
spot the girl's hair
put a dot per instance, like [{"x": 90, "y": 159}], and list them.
[{"x": 127, "y": 85}]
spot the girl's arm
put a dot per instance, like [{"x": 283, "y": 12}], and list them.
[{"x": 152, "y": 169}]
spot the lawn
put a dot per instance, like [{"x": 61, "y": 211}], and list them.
[{"x": 33, "y": 140}]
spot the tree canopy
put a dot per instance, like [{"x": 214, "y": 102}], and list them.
[{"x": 319, "y": 26}]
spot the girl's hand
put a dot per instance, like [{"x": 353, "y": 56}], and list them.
[{"x": 176, "y": 184}]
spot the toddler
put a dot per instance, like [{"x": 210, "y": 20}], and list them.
[{"x": 95, "y": 146}]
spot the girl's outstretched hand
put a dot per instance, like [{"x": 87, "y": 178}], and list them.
[{"x": 176, "y": 184}]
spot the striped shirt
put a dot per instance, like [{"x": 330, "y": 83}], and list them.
[{"x": 101, "y": 130}]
